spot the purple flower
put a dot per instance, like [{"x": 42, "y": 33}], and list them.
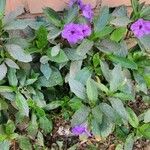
[
  {"x": 86, "y": 30},
  {"x": 140, "y": 28},
  {"x": 78, "y": 2},
  {"x": 80, "y": 129},
  {"x": 73, "y": 33},
  {"x": 87, "y": 12}
]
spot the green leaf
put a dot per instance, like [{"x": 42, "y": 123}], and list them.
[
  {"x": 71, "y": 14},
  {"x": 145, "y": 42},
  {"x": 120, "y": 21},
  {"x": 108, "y": 111},
  {"x": 120, "y": 109},
  {"x": 102, "y": 20},
  {"x": 8, "y": 18},
  {"x": 118, "y": 34},
  {"x": 102, "y": 87},
  {"x": 135, "y": 4},
  {"x": 3, "y": 105},
  {"x": 106, "y": 127},
  {"x": 55, "y": 79},
  {"x": 97, "y": 114},
  {"x": 5, "y": 145},
  {"x": 108, "y": 46},
  {"x": 91, "y": 91},
  {"x": 3, "y": 71},
  {"x": 96, "y": 59},
  {"x": 77, "y": 88},
  {"x": 147, "y": 116},
  {"x": 54, "y": 33},
  {"x": 2, "y": 7},
  {"x": 18, "y": 53},
  {"x": 60, "y": 58},
  {"x": 84, "y": 47},
  {"x": 75, "y": 103},
  {"x": 105, "y": 70},
  {"x": 119, "y": 147},
  {"x": 72, "y": 54},
  {"x": 22, "y": 104},
  {"x": 145, "y": 130},
  {"x": 40, "y": 139},
  {"x": 24, "y": 143},
  {"x": 33, "y": 126},
  {"x": 124, "y": 62},
  {"x": 104, "y": 32},
  {"x": 21, "y": 24},
  {"x": 116, "y": 78},
  {"x": 55, "y": 50},
  {"x": 129, "y": 142},
  {"x": 83, "y": 75},
  {"x": 132, "y": 117},
  {"x": 124, "y": 96},
  {"x": 10, "y": 127},
  {"x": 41, "y": 37},
  {"x": 141, "y": 84},
  {"x": 80, "y": 116},
  {"x": 10, "y": 63},
  {"x": 53, "y": 105},
  {"x": 52, "y": 16},
  {"x": 45, "y": 124},
  {"x": 12, "y": 78},
  {"x": 6, "y": 89},
  {"x": 46, "y": 70}
]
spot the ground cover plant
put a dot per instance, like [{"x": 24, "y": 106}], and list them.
[{"x": 91, "y": 72}]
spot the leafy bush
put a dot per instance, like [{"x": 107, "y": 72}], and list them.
[{"x": 86, "y": 69}]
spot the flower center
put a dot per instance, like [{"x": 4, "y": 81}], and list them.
[
  {"x": 140, "y": 26},
  {"x": 72, "y": 32}
]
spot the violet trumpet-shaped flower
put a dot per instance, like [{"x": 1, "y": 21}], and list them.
[
  {"x": 73, "y": 33},
  {"x": 78, "y": 2},
  {"x": 80, "y": 129},
  {"x": 140, "y": 28},
  {"x": 87, "y": 12},
  {"x": 86, "y": 30}
]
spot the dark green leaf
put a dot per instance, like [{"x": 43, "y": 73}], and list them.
[
  {"x": 46, "y": 70},
  {"x": 77, "y": 88},
  {"x": 18, "y": 53},
  {"x": 124, "y": 62},
  {"x": 12, "y": 78},
  {"x": 45, "y": 124},
  {"x": 10, "y": 127},
  {"x": 102, "y": 20},
  {"x": 120, "y": 109},
  {"x": 129, "y": 142},
  {"x": 91, "y": 91},
  {"x": 52, "y": 16},
  {"x": 84, "y": 47},
  {"x": 22, "y": 104},
  {"x": 53, "y": 105},
  {"x": 3, "y": 71},
  {"x": 71, "y": 14},
  {"x": 132, "y": 117},
  {"x": 24, "y": 143},
  {"x": 80, "y": 116}
]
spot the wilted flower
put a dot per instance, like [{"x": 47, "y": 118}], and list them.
[
  {"x": 88, "y": 12},
  {"x": 73, "y": 33},
  {"x": 80, "y": 129},
  {"x": 140, "y": 28},
  {"x": 86, "y": 30}
]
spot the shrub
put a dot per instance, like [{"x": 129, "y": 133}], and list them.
[{"x": 86, "y": 69}]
